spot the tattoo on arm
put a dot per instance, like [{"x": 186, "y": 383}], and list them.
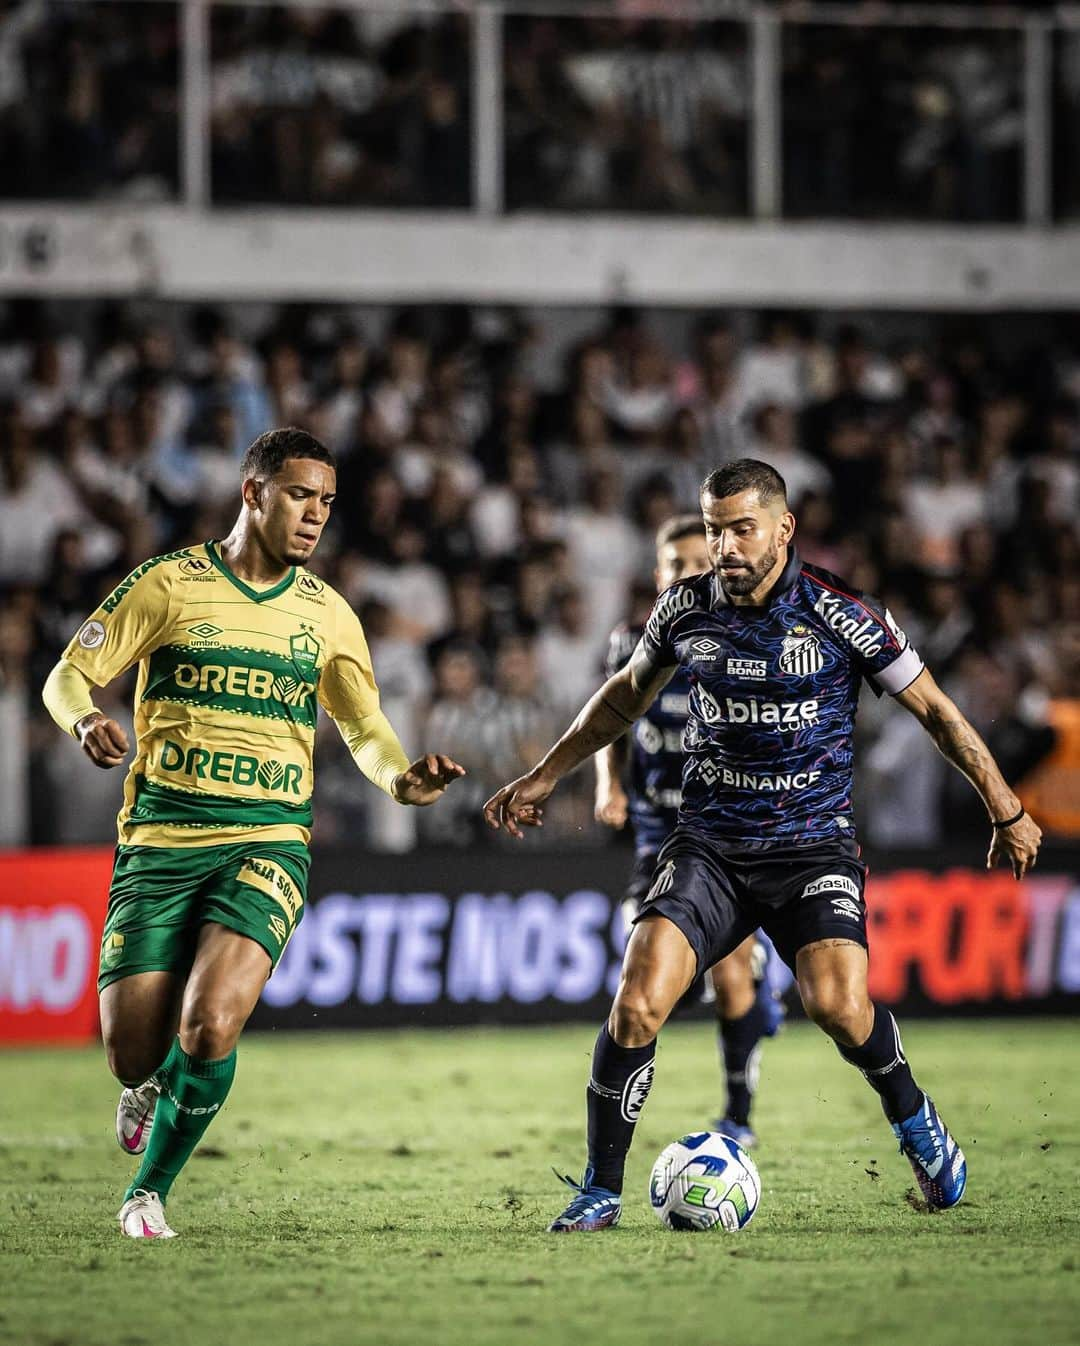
[{"x": 960, "y": 744}]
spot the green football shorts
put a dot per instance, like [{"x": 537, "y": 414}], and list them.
[{"x": 160, "y": 897}]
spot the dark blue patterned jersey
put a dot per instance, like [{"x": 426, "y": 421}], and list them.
[
  {"x": 656, "y": 750},
  {"x": 773, "y": 696}
]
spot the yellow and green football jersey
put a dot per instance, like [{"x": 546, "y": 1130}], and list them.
[{"x": 229, "y": 682}]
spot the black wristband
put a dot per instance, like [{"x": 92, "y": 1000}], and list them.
[{"x": 1008, "y": 822}]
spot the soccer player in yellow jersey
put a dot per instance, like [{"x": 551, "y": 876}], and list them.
[{"x": 237, "y": 644}]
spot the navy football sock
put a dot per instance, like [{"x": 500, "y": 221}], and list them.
[
  {"x": 618, "y": 1087},
  {"x": 740, "y": 1054},
  {"x": 881, "y": 1060}
]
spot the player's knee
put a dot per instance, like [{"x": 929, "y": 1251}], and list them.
[
  {"x": 209, "y": 1033},
  {"x": 636, "y": 1017},
  {"x": 840, "y": 1010},
  {"x": 130, "y": 1064},
  {"x": 734, "y": 987}
]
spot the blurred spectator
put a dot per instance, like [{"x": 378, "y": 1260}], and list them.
[
  {"x": 17, "y": 694},
  {"x": 626, "y": 114},
  {"x": 566, "y": 652},
  {"x": 901, "y": 122},
  {"x": 774, "y": 440},
  {"x": 88, "y": 100},
  {"x": 337, "y": 107},
  {"x": 940, "y": 506}
]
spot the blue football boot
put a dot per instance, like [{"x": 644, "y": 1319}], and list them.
[
  {"x": 936, "y": 1160},
  {"x": 739, "y": 1133},
  {"x": 773, "y": 1010},
  {"x": 592, "y": 1208}
]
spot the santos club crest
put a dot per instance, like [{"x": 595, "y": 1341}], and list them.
[{"x": 800, "y": 653}]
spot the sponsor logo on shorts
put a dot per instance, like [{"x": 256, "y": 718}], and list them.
[
  {"x": 112, "y": 950},
  {"x": 278, "y": 929},
  {"x": 274, "y": 882},
  {"x": 91, "y": 635},
  {"x": 636, "y": 1091},
  {"x": 231, "y": 768},
  {"x": 832, "y": 883},
  {"x": 752, "y": 670},
  {"x": 846, "y": 906}
]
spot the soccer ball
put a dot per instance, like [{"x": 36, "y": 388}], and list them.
[{"x": 704, "y": 1181}]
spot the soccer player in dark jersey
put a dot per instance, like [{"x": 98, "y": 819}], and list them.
[
  {"x": 776, "y": 651},
  {"x": 650, "y": 758}
]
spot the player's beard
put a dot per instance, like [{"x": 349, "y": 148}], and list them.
[{"x": 743, "y": 582}]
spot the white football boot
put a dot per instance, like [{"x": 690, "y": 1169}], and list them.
[
  {"x": 135, "y": 1116},
  {"x": 142, "y": 1216}
]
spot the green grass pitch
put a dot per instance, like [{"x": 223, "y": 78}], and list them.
[{"x": 393, "y": 1188}]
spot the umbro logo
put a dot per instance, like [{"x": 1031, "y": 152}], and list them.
[{"x": 705, "y": 648}]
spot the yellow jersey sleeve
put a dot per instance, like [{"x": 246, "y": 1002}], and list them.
[
  {"x": 347, "y": 688},
  {"x": 127, "y": 625}
]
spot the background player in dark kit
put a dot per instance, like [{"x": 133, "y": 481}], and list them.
[
  {"x": 649, "y": 757},
  {"x": 776, "y": 651}
]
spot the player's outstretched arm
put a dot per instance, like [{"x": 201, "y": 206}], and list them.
[
  {"x": 1016, "y": 837},
  {"x": 426, "y": 780},
  {"x": 602, "y": 719},
  {"x": 67, "y": 699},
  {"x": 377, "y": 751}
]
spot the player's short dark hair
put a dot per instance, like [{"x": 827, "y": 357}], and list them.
[
  {"x": 745, "y": 474},
  {"x": 267, "y": 455},
  {"x": 678, "y": 527}
]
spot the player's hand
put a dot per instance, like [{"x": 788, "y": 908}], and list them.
[
  {"x": 517, "y": 805},
  {"x": 1018, "y": 844},
  {"x": 426, "y": 780},
  {"x": 103, "y": 740},
  {"x": 611, "y": 806}
]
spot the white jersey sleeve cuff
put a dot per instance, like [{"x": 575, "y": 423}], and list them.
[{"x": 901, "y": 673}]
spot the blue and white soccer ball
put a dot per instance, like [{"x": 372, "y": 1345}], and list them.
[{"x": 705, "y": 1181}]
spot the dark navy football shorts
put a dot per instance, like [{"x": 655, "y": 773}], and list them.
[
  {"x": 718, "y": 894},
  {"x": 640, "y": 881}
]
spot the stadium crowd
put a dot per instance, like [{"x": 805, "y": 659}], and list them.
[
  {"x": 321, "y": 106},
  {"x": 502, "y": 475}
]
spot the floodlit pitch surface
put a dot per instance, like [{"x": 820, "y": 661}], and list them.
[{"x": 394, "y": 1188}]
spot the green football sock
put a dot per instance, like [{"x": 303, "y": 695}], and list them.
[{"x": 192, "y": 1092}]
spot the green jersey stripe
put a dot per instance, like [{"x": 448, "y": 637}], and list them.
[
  {"x": 243, "y": 681},
  {"x": 158, "y": 804}
]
